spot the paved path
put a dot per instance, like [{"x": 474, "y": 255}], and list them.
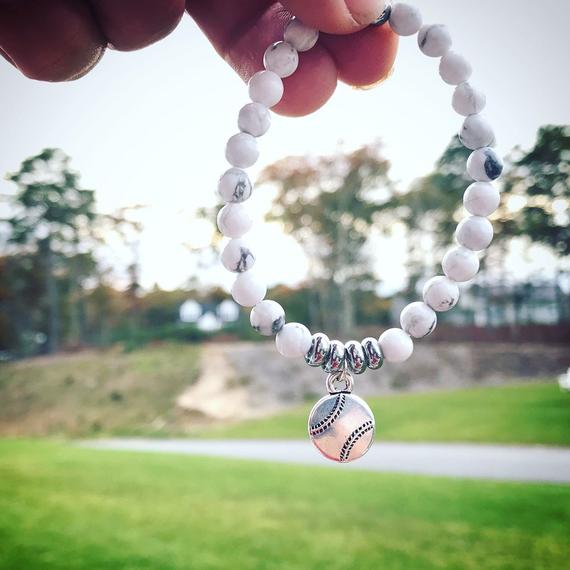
[{"x": 509, "y": 463}]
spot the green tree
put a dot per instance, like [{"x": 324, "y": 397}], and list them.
[
  {"x": 22, "y": 317},
  {"x": 329, "y": 205},
  {"x": 51, "y": 216},
  {"x": 430, "y": 210},
  {"x": 539, "y": 179}
]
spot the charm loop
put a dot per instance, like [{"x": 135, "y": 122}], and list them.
[{"x": 341, "y": 376}]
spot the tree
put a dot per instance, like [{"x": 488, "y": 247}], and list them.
[
  {"x": 433, "y": 207},
  {"x": 539, "y": 180},
  {"x": 127, "y": 229},
  {"x": 329, "y": 204},
  {"x": 52, "y": 214},
  {"x": 21, "y": 314},
  {"x": 430, "y": 210}
]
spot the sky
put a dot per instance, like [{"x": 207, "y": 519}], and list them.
[{"x": 149, "y": 128}]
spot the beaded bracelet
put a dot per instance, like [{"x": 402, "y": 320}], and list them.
[{"x": 341, "y": 425}]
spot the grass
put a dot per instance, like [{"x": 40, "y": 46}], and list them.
[
  {"x": 518, "y": 414},
  {"x": 95, "y": 392},
  {"x": 65, "y": 508}
]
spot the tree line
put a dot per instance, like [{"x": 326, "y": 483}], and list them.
[{"x": 55, "y": 292}]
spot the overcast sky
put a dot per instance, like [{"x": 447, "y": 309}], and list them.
[{"x": 150, "y": 127}]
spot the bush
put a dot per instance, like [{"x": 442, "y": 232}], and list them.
[{"x": 133, "y": 338}]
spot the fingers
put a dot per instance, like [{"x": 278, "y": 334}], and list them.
[
  {"x": 52, "y": 40},
  {"x": 336, "y": 16},
  {"x": 242, "y": 43},
  {"x": 58, "y": 40},
  {"x": 242, "y": 33},
  {"x": 133, "y": 24}
]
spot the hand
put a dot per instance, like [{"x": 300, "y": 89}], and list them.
[{"x": 59, "y": 40}]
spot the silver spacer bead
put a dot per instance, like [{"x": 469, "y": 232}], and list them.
[
  {"x": 372, "y": 353},
  {"x": 384, "y": 17},
  {"x": 355, "y": 358},
  {"x": 335, "y": 358},
  {"x": 320, "y": 346}
]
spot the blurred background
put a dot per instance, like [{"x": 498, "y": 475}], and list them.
[{"x": 116, "y": 319}]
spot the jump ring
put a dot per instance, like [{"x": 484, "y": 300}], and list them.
[{"x": 341, "y": 376}]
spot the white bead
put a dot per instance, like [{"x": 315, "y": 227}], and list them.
[
  {"x": 281, "y": 58},
  {"x": 418, "y": 320},
  {"x": 396, "y": 345},
  {"x": 454, "y": 68},
  {"x": 474, "y": 233},
  {"x": 301, "y": 37},
  {"x": 242, "y": 151},
  {"x": 467, "y": 100},
  {"x": 266, "y": 87},
  {"x": 237, "y": 257},
  {"x": 267, "y": 317},
  {"x": 441, "y": 294},
  {"x": 481, "y": 199},
  {"x": 254, "y": 118},
  {"x": 248, "y": 289},
  {"x": 460, "y": 264},
  {"x": 293, "y": 340},
  {"x": 476, "y": 132},
  {"x": 484, "y": 165},
  {"x": 434, "y": 40},
  {"x": 234, "y": 220},
  {"x": 234, "y": 186},
  {"x": 405, "y": 19}
]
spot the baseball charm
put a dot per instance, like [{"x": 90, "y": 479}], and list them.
[{"x": 341, "y": 427}]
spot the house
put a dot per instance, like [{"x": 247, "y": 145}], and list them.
[{"x": 208, "y": 317}]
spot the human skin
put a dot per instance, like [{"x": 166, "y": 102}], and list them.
[{"x": 60, "y": 40}]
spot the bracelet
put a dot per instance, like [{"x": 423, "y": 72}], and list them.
[{"x": 341, "y": 425}]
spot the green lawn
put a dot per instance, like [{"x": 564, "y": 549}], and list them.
[
  {"x": 67, "y": 508},
  {"x": 522, "y": 413}
]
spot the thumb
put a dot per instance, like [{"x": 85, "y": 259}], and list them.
[{"x": 336, "y": 16}]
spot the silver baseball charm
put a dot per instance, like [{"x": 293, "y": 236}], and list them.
[{"x": 341, "y": 425}]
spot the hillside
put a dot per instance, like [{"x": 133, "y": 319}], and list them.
[{"x": 95, "y": 392}]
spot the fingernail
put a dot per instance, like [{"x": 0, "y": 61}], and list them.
[
  {"x": 95, "y": 57},
  {"x": 365, "y": 11}
]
